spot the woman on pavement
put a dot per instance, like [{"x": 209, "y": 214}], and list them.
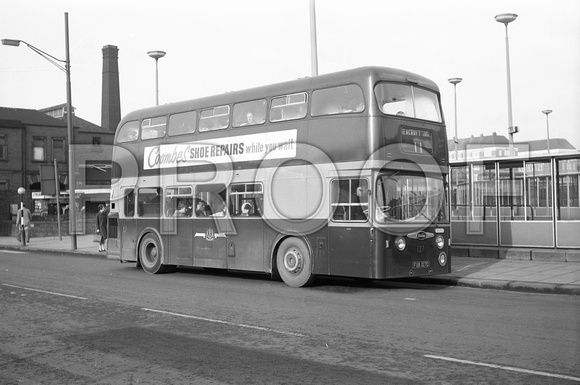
[{"x": 102, "y": 226}]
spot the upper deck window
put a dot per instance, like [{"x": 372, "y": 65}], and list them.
[
  {"x": 407, "y": 100},
  {"x": 337, "y": 100},
  {"x": 288, "y": 107},
  {"x": 183, "y": 123},
  {"x": 129, "y": 132},
  {"x": 215, "y": 118},
  {"x": 250, "y": 113},
  {"x": 153, "y": 127}
]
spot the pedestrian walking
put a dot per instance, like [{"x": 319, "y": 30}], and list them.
[
  {"x": 102, "y": 225},
  {"x": 23, "y": 223}
]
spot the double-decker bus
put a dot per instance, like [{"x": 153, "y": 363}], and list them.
[{"x": 342, "y": 174}]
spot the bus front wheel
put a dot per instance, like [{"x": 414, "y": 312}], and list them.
[
  {"x": 294, "y": 263},
  {"x": 151, "y": 255}
]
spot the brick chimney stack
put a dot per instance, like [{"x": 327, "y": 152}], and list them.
[{"x": 111, "y": 99}]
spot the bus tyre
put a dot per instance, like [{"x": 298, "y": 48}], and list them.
[
  {"x": 151, "y": 254},
  {"x": 294, "y": 263}
]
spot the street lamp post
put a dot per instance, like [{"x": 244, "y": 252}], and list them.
[
  {"x": 156, "y": 55},
  {"x": 547, "y": 112},
  {"x": 313, "y": 40},
  {"x": 505, "y": 19},
  {"x": 455, "y": 82},
  {"x": 70, "y": 133}
]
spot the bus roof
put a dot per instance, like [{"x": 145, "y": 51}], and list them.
[{"x": 357, "y": 75}]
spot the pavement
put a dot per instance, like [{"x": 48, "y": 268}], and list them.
[{"x": 538, "y": 276}]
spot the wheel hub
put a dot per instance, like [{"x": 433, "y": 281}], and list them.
[
  {"x": 293, "y": 261},
  {"x": 152, "y": 253}
]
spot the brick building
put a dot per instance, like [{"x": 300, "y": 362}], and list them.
[{"x": 31, "y": 138}]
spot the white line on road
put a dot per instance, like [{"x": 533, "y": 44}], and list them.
[
  {"x": 225, "y": 322},
  {"x": 520, "y": 370},
  {"x": 43, "y": 291},
  {"x": 13, "y": 251}
]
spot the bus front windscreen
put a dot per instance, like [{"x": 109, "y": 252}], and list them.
[
  {"x": 408, "y": 101},
  {"x": 404, "y": 198}
]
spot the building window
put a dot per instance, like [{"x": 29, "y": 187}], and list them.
[
  {"x": 97, "y": 172},
  {"x": 96, "y": 141},
  {"x": 58, "y": 149},
  {"x": 3, "y": 148},
  {"x": 3, "y": 185},
  {"x": 39, "y": 149}
]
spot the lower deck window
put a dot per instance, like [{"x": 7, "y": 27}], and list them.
[
  {"x": 350, "y": 200},
  {"x": 149, "y": 202},
  {"x": 246, "y": 199}
]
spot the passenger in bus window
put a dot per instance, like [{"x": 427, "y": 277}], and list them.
[
  {"x": 132, "y": 134},
  {"x": 181, "y": 209},
  {"x": 247, "y": 209},
  {"x": 200, "y": 209},
  {"x": 188, "y": 208},
  {"x": 250, "y": 120}
]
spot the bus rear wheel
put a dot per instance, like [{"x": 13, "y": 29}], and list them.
[
  {"x": 294, "y": 263},
  {"x": 151, "y": 255}
]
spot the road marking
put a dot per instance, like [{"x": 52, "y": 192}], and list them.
[
  {"x": 43, "y": 291},
  {"x": 13, "y": 251},
  {"x": 225, "y": 322},
  {"x": 511, "y": 368}
]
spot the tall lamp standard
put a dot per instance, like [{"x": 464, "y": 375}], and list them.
[
  {"x": 313, "y": 40},
  {"x": 547, "y": 112},
  {"x": 455, "y": 82},
  {"x": 70, "y": 133},
  {"x": 505, "y": 19},
  {"x": 156, "y": 55}
]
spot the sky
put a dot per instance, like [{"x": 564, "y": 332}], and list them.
[{"x": 225, "y": 45}]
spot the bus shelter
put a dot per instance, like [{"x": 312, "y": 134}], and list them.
[{"x": 514, "y": 202}]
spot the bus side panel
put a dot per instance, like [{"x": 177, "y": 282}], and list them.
[
  {"x": 246, "y": 246},
  {"x": 209, "y": 244},
  {"x": 179, "y": 240},
  {"x": 350, "y": 251}
]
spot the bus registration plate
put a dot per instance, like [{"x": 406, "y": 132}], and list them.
[{"x": 420, "y": 264}]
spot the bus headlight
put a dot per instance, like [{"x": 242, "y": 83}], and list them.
[
  {"x": 440, "y": 242},
  {"x": 400, "y": 243},
  {"x": 442, "y": 259}
]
